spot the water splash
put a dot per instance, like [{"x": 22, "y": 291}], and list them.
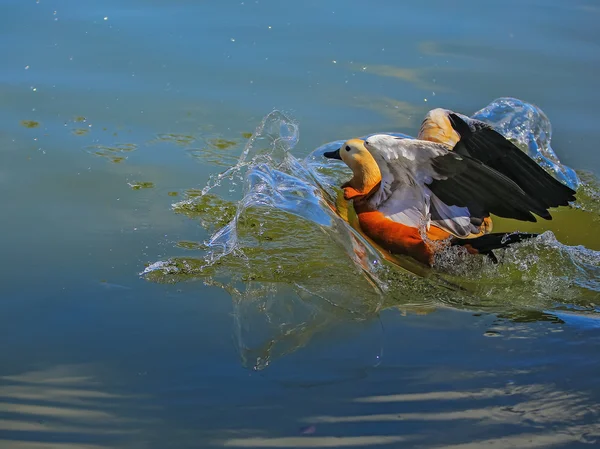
[
  {"x": 288, "y": 250},
  {"x": 529, "y": 128}
]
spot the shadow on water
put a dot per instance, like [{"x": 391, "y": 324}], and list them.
[{"x": 286, "y": 246}]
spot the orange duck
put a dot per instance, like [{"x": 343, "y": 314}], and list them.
[{"x": 416, "y": 196}]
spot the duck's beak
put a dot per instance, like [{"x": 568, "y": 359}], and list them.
[{"x": 333, "y": 154}]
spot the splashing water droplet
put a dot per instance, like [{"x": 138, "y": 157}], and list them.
[{"x": 530, "y": 128}]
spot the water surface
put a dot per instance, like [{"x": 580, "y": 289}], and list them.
[{"x": 115, "y": 115}]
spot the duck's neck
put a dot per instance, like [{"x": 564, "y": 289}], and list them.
[{"x": 366, "y": 178}]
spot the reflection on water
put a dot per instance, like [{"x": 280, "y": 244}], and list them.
[
  {"x": 292, "y": 236},
  {"x": 419, "y": 78},
  {"x": 61, "y": 407},
  {"x": 513, "y": 415},
  {"x": 82, "y": 407}
]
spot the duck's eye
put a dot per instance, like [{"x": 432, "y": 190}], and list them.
[
  {"x": 366, "y": 142},
  {"x": 347, "y": 147}
]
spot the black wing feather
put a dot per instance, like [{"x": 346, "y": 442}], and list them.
[
  {"x": 482, "y": 142},
  {"x": 470, "y": 183}
]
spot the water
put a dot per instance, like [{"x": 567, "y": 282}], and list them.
[{"x": 285, "y": 329}]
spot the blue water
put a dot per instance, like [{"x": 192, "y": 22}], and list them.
[{"x": 93, "y": 355}]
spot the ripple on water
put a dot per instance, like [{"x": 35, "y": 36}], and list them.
[{"x": 285, "y": 245}]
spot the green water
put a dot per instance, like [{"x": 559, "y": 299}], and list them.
[{"x": 113, "y": 114}]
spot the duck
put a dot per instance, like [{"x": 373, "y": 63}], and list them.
[{"x": 417, "y": 196}]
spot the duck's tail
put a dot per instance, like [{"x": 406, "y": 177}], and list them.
[{"x": 495, "y": 240}]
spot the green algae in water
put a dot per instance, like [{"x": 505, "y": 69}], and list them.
[
  {"x": 178, "y": 139},
  {"x": 79, "y": 119},
  {"x": 193, "y": 193},
  {"x": 216, "y": 152},
  {"x": 211, "y": 210},
  {"x": 246, "y": 135},
  {"x": 119, "y": 148},
  {"x": 141, "y": 185},
  {"x": 30, "y": 123},
  {"x": 115, "y": 153},
  {"x": 172, "y": 193},
  {"x": 221, "y": 144},
  {"x": 80, "y": 131},
  {"x": 275, "y": 249},
  {"x": 214, "y": 157},
  {"x": 190, "y": 245},
  {"x": 275, "y": 243}
]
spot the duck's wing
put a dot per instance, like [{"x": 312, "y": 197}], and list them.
[
  {"x": 437, "y": 127},
  {"x": 403, "y": 163},
  {"x": 474, "y": 138},
  {"x": 405, "y": 166},
  {"x": 467, "y": 182},
  {"x": 459, "y": 190}
]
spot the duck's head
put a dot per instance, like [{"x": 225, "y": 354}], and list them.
[{"x": 355, "y": 155}]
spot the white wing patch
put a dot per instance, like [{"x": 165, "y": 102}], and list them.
[{"x": 402, "y": 163}]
